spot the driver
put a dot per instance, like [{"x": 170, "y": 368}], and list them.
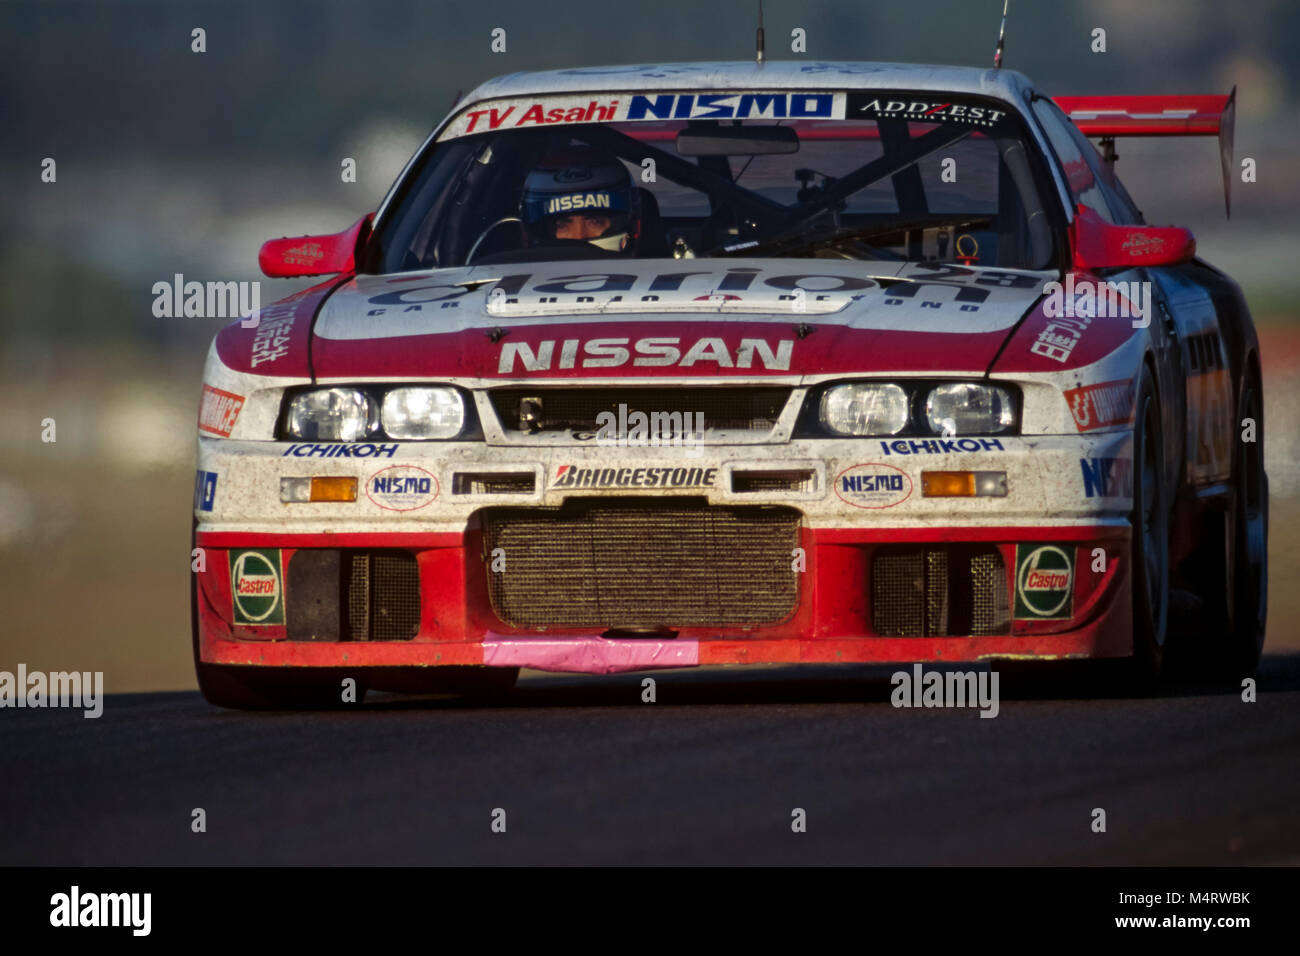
[{"x": 581, "y": 194}]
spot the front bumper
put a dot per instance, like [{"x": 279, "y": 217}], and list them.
[{"x": 1051, "y": 503}]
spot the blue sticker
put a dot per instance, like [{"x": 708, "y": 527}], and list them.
[
  {"x": 1107, "y": 477},
  {"x": 205, "y": 489}
]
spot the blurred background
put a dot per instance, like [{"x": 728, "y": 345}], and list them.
[{"x": 170, "y": 161}]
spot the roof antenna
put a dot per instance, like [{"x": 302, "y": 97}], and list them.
[
  {"x": 760, "y": 33},
  {"x": 1002, "y": 32}
]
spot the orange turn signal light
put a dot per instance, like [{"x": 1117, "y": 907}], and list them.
[
  {"x": 334, "y": 489},
  {"x": 963, "y": 484},
  {"x": 948, "y": 484}
]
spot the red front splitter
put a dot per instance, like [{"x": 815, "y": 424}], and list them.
[{"x": 831, "y": 624}]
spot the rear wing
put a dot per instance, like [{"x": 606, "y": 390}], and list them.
[{"x": 1111, "y": 116}]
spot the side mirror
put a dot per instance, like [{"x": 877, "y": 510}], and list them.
[
  {"x": 1097, "y": 244},
  {"x": 315, "y": 255}
]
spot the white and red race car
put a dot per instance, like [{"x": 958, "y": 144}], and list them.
[{"x": 731, "y": 363}]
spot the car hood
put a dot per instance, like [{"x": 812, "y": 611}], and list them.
[{"x": 684, "y": 318}]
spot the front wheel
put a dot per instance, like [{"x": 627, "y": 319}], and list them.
[
  {"x": 1150, "y": 543},
  {"x": 260, "y": 688},
  {"x": 467, "y": 681}
]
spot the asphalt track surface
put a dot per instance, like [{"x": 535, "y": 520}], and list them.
[{"x": 709, "y": 774}]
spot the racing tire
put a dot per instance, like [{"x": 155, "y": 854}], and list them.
[
  {"x": 259, "y": 688},
  {"x": 461, "y": 680},
  {"x": 1247, "y": 584},
  {"x": 1234, "y": 569},
  {"x": 1150, "y": 544}
]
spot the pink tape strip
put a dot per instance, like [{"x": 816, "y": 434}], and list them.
[{"x": 588, "y": 655}]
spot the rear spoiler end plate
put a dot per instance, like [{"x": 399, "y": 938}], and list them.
[{"x": 1163, "y": 115}]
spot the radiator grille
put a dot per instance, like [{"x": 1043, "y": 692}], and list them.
[
  {"x": 936, "y": 591},
  {"x": 394, "y": 597},
  {"x": 990, "y": 613},
  {"x": 642, "y": 564},
  {"x": 898, "y": 595},
  {"x": 939, "y": 591},
  {"x": 733, "y": 409},
  {"x": 358, "y": 590}
]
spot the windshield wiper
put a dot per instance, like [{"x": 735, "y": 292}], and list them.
[{"x": 811, "y": 240}]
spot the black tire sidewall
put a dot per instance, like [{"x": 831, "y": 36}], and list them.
[
  {"x": 1249, "y": 617},
  {"x": 1149, "y": 633}
]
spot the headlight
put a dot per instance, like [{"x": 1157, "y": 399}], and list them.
[
  {"x": 964, "y": 408},
  {"x": 332, "y": 414},
  {"x": 416, "y": 413},
  {"x": 865, "y": 408}
]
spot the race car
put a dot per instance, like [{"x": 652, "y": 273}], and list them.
[{"x": 732, "y": 363}]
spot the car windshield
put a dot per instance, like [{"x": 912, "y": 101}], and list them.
[{"x": 856, "y": 175}]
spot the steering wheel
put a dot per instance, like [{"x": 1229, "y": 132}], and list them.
[
  {"x": 713, "y": 234},
  {"x": 484, "y": 234}
]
